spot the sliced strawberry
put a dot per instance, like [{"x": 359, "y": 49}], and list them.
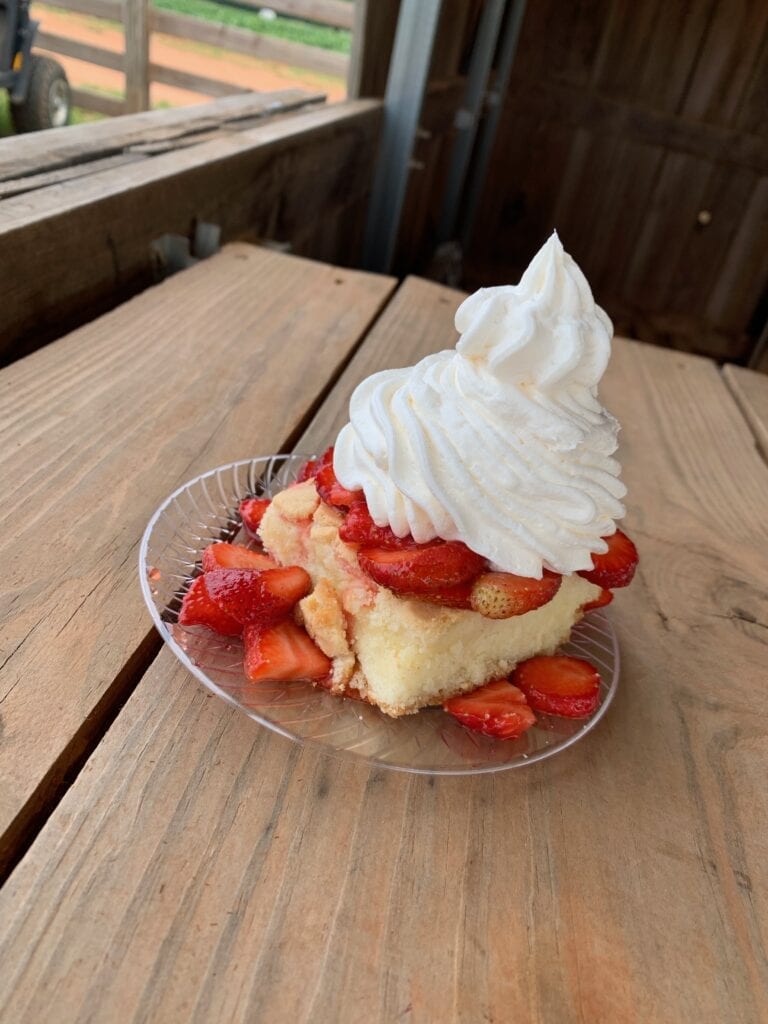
[
  {"x": 329, "y": 488},
  {"x": 252, "y": 512},
  {"x": 500, "y": 595},
  {"x": 449, "y": 597},
  {"x": 559, "y": 685},
  {"x": 308, "y": 470},
  {"x": 359, "y": 528},
  {"x": 251, "y": 596},
  {"x": 198, "y": 609},
  {"x": 282, "y": 651},
  {"x": 617, "y": 566},
  {"x": 234, "y": 556},
  {"x": 604, "y": 597},
  {"x": 496, "y": 709},
  {"x": 426, "y": 567},
  {"x": 332, "y": 492}
]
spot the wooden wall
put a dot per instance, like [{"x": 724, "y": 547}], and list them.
[{"x": 639, "y": 130}]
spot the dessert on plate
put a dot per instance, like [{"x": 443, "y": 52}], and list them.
[{"x": 465, "y": 519}]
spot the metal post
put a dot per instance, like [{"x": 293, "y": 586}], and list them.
[
  {"x": 495, "y": 100},
  {"x": 408, "y": 71},
  {"x": 468, "y": 116}
]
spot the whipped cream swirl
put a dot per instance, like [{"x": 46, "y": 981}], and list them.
[{"x": 500, "y": 442}]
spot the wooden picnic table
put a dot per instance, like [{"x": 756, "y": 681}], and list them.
[{"x": 171, "y": 861}]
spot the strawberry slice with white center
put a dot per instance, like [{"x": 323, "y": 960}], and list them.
[
  {"x": 234, "y": 556},
  {"x": 502, "y": 595},
  {"x": 496, "y": 709},
  {"x": 198, "y": 609},
  {"x": 251, "y": 596},
  {"x": 603, "y": 598},
  {"x": 282, "y": 651},
  {"x": 617, "y": 566},
  {"x": 422, "y": 568},
  {"x": 559, "y": 685},
  {"x": 252, "y": 512}
]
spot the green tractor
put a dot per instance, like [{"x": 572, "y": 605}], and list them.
[{"x": 37, "y": 86}]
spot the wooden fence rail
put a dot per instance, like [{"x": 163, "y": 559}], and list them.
[{"x": 139, "y": 20}]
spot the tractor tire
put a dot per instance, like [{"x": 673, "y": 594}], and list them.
[{"x": 48, "y": 100}]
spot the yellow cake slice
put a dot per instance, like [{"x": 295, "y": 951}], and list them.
[{"x": 401, "y": 654}]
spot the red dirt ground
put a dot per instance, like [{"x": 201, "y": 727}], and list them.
[{"x": 247, "y": 72}]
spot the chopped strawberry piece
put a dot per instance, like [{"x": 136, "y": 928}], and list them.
[
  {"x": 308, "y": 470},
  {"x": 425, "y": 567},
  {"x": 282, "y": 651},
  {"x": 359, "y": 528},
  {"x": 500, "y": 595},
  {"x": 603, "y": 598},
  {"x": 252, "y": 512},
  {"x": 198, "y": 609},
  {"x": 617, "y": 566},
  {"x": 234, "y": 556},
  {"x": 496, "y": 709},
  {"x": 559, "y": 685},
  {"x": 459, "y": 596},
  {"x": 251, "y": 596}
]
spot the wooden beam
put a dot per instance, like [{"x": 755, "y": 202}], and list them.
[
  {"x": 80, "y": 51},
  {"x": 112, "y": 10},
  {"x": 46, "y": 151},
  {"x": 136, "y": 22},
  {"x": 337, "y": 13},
  {"x": 255, "y": 45},
  {"x": 195, "y": 83},
  {"x": 373, "y": 36},
  {"x": 17, "y": 186},
  {"x": 111, "y": 106},
  {"x": 267, "y": 182}
]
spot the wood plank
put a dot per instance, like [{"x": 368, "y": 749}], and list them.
[
  {"x": 750, "y": 389},
  {"x": 111, "y": 10},
  {"x": 268, "y": 182},
  {"x": 60, "y": 147},
  {"x": 337, "y": 13},
  {"x": 80, "y": 51},
  {"x": 97, "y": 429},
  {"x": 252, "y": 43},
  {"x": 373, "y": 37},
  {"x": 548, "y": 100},
  {"x": 17, "y": 186},
  {"x": 136, "y": 29},
  {"x": 99, "y": 104},
  {"x": 625, "y": 880},
  {"x": 195, "y": 83}
]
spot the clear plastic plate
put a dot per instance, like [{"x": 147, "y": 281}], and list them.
[{"x": 430, "y": 742}]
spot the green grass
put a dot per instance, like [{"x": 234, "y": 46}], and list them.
[
  {"x": 6, "y": 125},
  {"x": 324, "y": 36}
]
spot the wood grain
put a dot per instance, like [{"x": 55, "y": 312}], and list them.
[
  {"x": 647, "y": 121},
  {"x": 750, "y": 389},
  {"x": 34, "y": 154},
  {"x": 216, "y": 364},
  {"x": 263, "y": 47},
  {"x": 269, "y": 182},
  {"x": 136, "y": 32},
  {"x": 201, "y": 869}
]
